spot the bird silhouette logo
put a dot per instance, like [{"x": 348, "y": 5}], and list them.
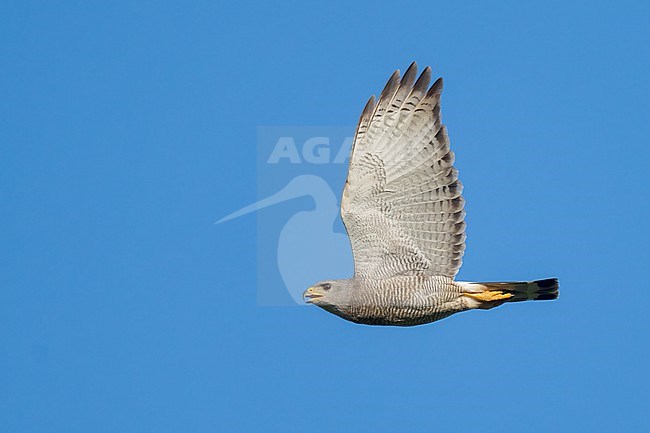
[{"x": 311, "y": 242}]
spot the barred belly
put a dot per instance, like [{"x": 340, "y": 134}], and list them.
[{"x": 405, "y": 301}]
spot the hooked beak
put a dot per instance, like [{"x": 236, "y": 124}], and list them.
[{"x": 311, "y": 294}]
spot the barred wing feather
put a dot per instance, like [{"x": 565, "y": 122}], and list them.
[{"x": 402, "y": 204}]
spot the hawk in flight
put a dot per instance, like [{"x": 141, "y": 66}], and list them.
[{"x": 403, "y": 211}]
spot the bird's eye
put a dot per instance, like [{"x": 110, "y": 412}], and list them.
[{"x": 326, "y": 286}]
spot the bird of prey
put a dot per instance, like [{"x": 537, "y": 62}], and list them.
[{"x": 403, "y": 211}]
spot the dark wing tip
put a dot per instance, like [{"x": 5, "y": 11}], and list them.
[
  {"x": 406, "y": 84},
  {"x": 389, "y": 88},
  {"x": 423, "y": 81},
  {"x": 412, "y": 71},
  {"x": 370, "y": 102},
  {"x": 370, "y": 105},
  {"x": 436, "y": 88}
]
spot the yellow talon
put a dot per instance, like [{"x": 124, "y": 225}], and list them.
[{"x": 489, "y": 295}]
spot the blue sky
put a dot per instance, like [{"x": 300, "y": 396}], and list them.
[{"x": 128, "y": 128}]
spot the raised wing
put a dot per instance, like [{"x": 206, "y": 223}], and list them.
[{"x": 402, "y": 204}]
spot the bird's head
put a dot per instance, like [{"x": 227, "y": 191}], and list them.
[{"x": 329, "y": 294}]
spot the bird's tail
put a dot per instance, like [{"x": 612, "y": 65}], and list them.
[{"x": 490, "y": 295}]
